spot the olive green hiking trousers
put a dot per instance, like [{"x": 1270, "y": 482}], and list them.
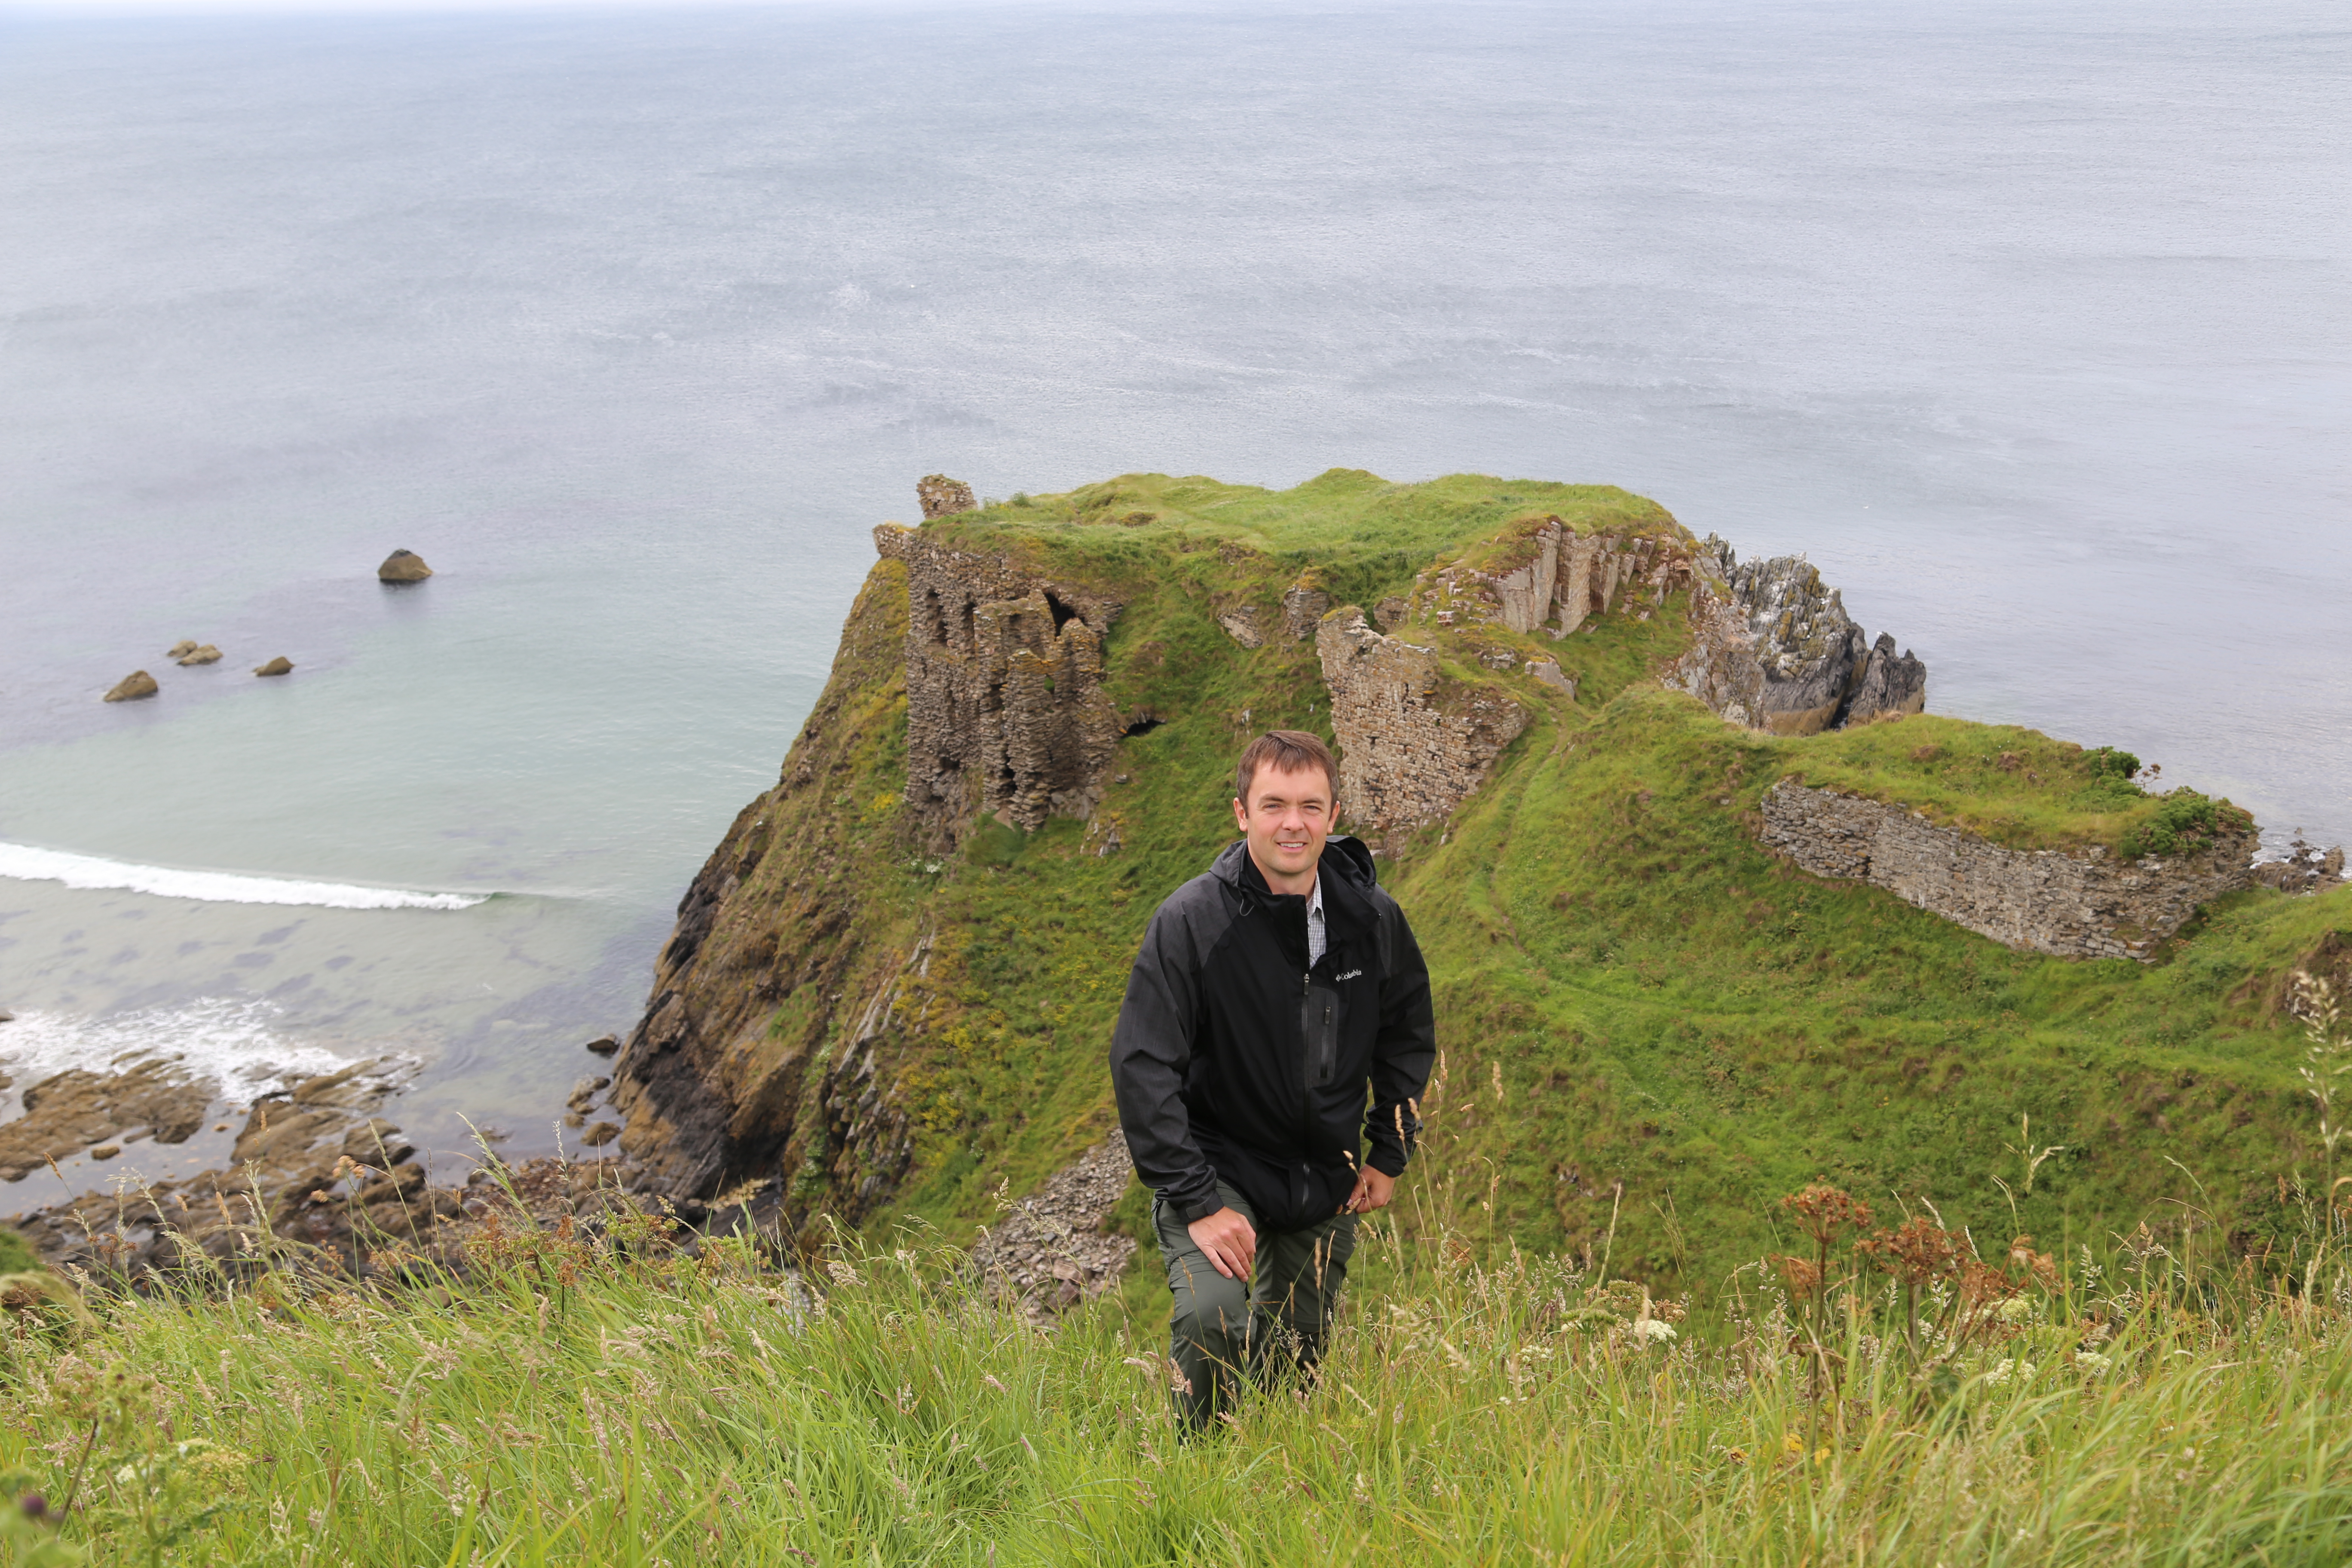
[{"x": 1265, "y": 1327}]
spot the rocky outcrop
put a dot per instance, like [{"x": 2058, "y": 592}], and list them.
[
  {"x": 1050, "y": 1251},
  {"x": 182, "y": 649},
  {"x": 2087, "y": 905},
  {"x": 71, "y": 1111},
  {"x": 1412, "y": 745},
  {"x": 1773, "y": 649},
  {"x": 207, "y": 654},
  {"x": 1303, "y": 609},
  {"x": 1241, "y": 625},
  {"x": 132, "y": 688},
  {"x": 403, "y": 566},
  {"x": 1006, "y": 711},
  {"x": 941, "y": 496},
  {"x": 1548, "y": 577},
  {"x": 281, "y": 665},
  {"x": 2305, "y": 868}
]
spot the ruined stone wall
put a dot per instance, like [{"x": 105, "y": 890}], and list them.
[
  {"x": 2091, "y": 905},
  {"x": 1006, "y": 711},
  {"x": 1412, "y": 745}
]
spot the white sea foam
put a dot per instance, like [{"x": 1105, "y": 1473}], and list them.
[
  {"x": 232, "y": 1044},
  {"x": 30, "y": 865}
]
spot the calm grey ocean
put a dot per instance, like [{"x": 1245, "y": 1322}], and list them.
[{"x": 2033, "y": 324}]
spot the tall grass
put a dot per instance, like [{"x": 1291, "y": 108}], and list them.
[{"x": 599, "y": 1397}]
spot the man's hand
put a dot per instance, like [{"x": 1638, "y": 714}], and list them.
[
  {"x": 1227, "y": 1240},
  {"x": 1373, "y": 1191}
]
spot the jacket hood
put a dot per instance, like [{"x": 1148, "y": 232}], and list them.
[{"x": 1345, "y": 856}]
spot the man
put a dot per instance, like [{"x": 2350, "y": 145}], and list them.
[{"x": 1276, "y": 1023}]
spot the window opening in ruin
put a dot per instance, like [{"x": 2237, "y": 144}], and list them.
[
  {"x": 1062, "y": 614},
  {"x": 935, "y": 618},
  {"x": 1143, "y": 726}
]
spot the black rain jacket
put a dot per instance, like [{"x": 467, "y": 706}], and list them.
[{"x": 1233, "y": 1061}]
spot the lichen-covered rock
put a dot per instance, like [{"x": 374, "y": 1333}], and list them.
[
  {"x": 1412, "y": 743},
  {"x": 1303, "y": 609},
  {"x": 1241, "y": 625},
  {"x": 941, "y": 496},
  {"x": 2087, "y": 905},
  {"x": 1773, "y": 649},
  {"x": 403, "y": 566},
  {"x": 132, "y": 688},
  {"x": 1005, "y": 711}
]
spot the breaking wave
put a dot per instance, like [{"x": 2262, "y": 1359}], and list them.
[
  {"x": 231, "y": 1044},
  {"x": 28, "y": 864}
]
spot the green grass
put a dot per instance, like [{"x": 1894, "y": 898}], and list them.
[{"x": 585, "y": 1401}]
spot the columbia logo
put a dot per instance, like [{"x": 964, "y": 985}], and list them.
[{"x": 1350, "y": 976}]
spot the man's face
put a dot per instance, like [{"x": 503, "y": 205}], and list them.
[{"x": 1286, "y": 818}]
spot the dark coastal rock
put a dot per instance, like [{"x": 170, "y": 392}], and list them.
[
  {"x": 281, "y": 665},
  {"x": 2306, "y": 869},
  {"x": 1890, "y": 683},
  {"x": 132, "y": 688},
  {"x": 602, "y": 1133},
  {"x": 604, "y": 1044},
  {"x": 207, "y": 654},
  {"x": 403, "y": 566},
  {"x": 943, "y": 497}
]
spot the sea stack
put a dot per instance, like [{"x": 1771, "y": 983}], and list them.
[
  {"x": 132, "y": 687},
  {"x": 403, "y": 566},
  {"x": 281, "y": 665}
]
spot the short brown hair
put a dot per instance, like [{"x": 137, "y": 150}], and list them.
[{"x": 1285, "y": 751}]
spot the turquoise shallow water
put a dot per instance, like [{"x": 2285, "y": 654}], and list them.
[{"x": 2028, "y": 322}]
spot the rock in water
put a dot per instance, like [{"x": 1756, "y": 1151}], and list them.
[
  {"x": 182, "y": 649},
  {"x": 403, "y": 566},
  {"x": 132, "y": 687},
  {"x": 602, "y": 1133},
  {"x": 281, "y": 665},
  {"x": 207, "y": 654},
  {"x": 604, "y": 1044},
  {"x": 943, "y": 497}
]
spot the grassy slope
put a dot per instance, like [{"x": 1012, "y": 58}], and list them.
[
  {"x": 570, "y": 1405},
  {"x": 1630, "y": 988}
]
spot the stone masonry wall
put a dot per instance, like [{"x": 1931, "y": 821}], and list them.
[
  {"x": 2078, "y": 906},
  {"x": 1411, "y": 744},
  {"x": 1005, "y": 711}
]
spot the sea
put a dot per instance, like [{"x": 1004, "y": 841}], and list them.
[{"x": 2030, "y": 324}]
